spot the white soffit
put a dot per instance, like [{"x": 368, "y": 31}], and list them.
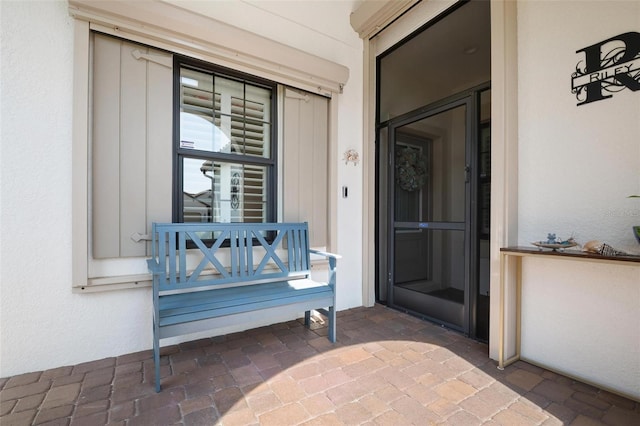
[
  {"x": 373, "y": 15},
  {"x": 178, "y": 30}
]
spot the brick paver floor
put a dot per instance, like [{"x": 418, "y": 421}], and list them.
[{"x": 387, "y": 368}]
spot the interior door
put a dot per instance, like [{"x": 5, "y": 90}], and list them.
[{"x": 430, "y": 238}]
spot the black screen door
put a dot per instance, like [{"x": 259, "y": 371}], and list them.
[{"x": 430, "y": 215}]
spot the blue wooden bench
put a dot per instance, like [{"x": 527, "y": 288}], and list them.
[{"x": 210, "y": 275}]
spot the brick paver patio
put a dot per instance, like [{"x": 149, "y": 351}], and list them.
[{"x": 387, "y": 368}]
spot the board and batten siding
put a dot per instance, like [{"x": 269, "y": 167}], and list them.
[
  {"x": 305, "y": 155},
  {"x": 131, "y": 155}
]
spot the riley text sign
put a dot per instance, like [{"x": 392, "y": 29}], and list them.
[{"x": 608, "y": 67}]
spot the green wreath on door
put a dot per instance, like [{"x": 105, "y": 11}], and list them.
[{"x": 411, "y": 171}]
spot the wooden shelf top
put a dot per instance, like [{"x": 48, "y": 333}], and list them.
[{"x": 570, "y": 253}]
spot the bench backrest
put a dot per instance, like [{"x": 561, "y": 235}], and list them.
[{"x": 190, "y": 255}]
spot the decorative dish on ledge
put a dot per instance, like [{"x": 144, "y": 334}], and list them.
[
  {"x": 554, "y": 243},
  {"x": 555, "y": 246}
]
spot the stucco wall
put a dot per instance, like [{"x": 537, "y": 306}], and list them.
[
  {"x": 577, "y": 165},
  {"x": 43, "y": 323}
]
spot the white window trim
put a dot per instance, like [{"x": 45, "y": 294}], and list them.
[
  {"x": 162, "y": 25},
  {"x": 80, "y": 157}
]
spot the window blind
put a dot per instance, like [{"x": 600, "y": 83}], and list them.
[{"x": 223, "y": 116}]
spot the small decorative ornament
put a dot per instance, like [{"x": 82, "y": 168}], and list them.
[
  {"x": 603, "y": 249},
  {"x": 351, "y": 156},
  {"x": 235, "y": 183},
  {"x": 554, "y": 243},
  {"x": 411, "y": 171}
]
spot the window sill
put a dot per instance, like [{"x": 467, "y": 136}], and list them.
[
  {"x": 126, "y": 282},
  {"x": 121, "y": 282}
]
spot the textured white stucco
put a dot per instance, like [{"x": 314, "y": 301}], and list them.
[
  {"x": 577, "y": 166},
  {"x": 43, "y": 323}
]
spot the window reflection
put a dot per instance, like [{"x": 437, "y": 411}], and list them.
[{"x": 223, "y": 192}]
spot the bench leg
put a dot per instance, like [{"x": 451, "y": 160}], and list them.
[
  {"x": 307, "y": 319},
  {"x": 332, "y": 324},
  {"x": 156, "y": 359}
]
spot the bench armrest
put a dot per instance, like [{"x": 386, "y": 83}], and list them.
[
  {"x": 153, "y": 266},
  {"x": 333, "y": 258},
  {"x": 325, "y": 254}
]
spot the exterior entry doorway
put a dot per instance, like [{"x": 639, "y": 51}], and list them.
[
  {"x": 433, "y": 173},
  {"x": 429, "y": 211}
]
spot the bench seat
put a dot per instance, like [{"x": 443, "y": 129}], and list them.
[{"x": 187, "y": 307}]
